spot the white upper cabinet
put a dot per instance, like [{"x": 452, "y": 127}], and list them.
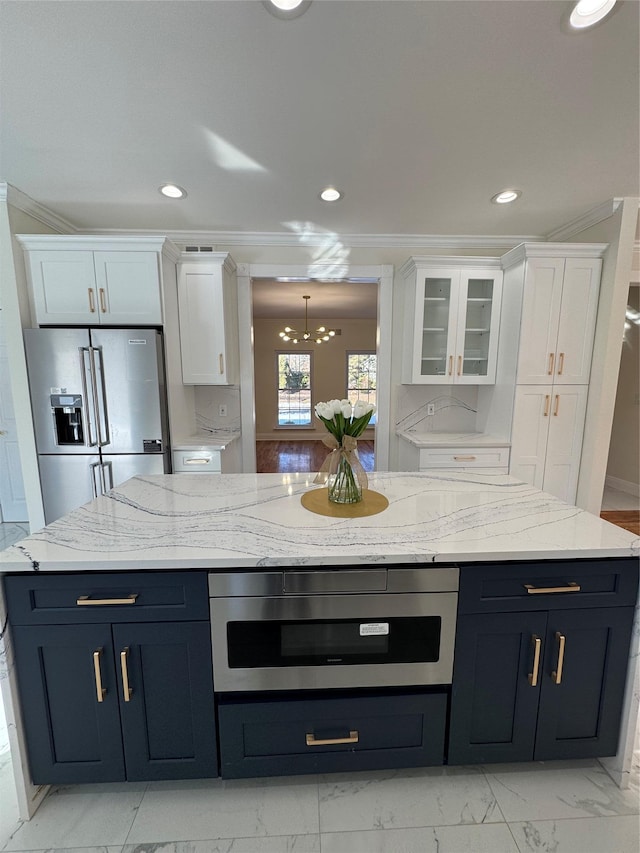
[
  {"x": 208, "y": 310},
  {"x": 452, "y": 314},
  {"x": 94, "y": 281},
  {"x": 559, "y": 307}
]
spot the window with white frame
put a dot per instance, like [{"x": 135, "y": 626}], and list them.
[
  {"x": 361, "y": 378},
  {"x": 294, "y": 389}
]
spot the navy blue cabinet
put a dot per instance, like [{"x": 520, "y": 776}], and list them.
[
  {"x": 546, "y": 681},
  {"x": 113, "y": 700}
]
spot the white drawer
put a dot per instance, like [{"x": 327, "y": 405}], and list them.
[
  {"x": 464, "y": 457},
  {"x": 196, "y": 462}
]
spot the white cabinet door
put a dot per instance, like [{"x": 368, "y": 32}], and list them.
[
  {"x": 546, "y": 446},
  {"x": 540, "y": 318},
  {"x": 558, "y": 320},
  {"x": 564, "y": 446},
  {"x": 64, "y": 287},
  {"x": 452, "y": 317},
  {"x": 128, "y": 290},
  {"x": 87, "y": 288},
  {"x": 208, "y": 321},
  {"x": 530, "y": 432},
  {"x": 576, "y": 327}
]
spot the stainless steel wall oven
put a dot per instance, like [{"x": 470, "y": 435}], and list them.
[{"x": 304, "y": 629}]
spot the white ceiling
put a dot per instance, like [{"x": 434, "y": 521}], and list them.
[
  {"x": 419, "y": 111},
  {"x": 329, "y": 300}
]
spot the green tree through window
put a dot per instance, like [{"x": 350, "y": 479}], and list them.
[{"x": 361, "y": 378}]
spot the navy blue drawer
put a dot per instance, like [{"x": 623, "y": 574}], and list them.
[
  {"x": 550, "y": 585},
  {"x": 280, "y": 737},
  {"x": 53, "y": 599}
]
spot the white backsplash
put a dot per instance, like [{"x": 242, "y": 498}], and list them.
[
  {"x": 454, "y": 410},
  {"x": 208, "y": 400}
]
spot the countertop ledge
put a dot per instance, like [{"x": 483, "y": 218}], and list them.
[
  {"x": 453, "y": 439},
  {"x": 183, "y": 521}
]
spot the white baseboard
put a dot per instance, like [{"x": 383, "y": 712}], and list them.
[{"x": 623, "y": 486}]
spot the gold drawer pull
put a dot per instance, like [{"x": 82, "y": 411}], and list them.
[
  {"x": 556, "y": 675},
  {"x": 101, "y": 691},
  {"x": 196, "y": 460},
  {"x": 221, "y": 358},
  {"x": 465, "y": 458},
  {"x": 103, "y": 304},
  {"x": 552, "y": 358},
  {"x": 561, "y": 364},
  {"x": 126, "y": 690},
  {"x": 533, "y": 675},
  {"x": 540, "y": 590},
  {"x": 353, "y": 738},
  {"x": 92, "y": 307},
  {"x": 557, "y": 406},
  {"x": 84, "y": 599},
  {"x": 450, "y": 365},
  {"x": 459, "y": 365},
  {"x": 547, "y": 405}
]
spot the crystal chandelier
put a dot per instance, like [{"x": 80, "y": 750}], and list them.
[{"x": 312, "y": 335}]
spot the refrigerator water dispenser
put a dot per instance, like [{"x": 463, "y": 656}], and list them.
[{"x": 67, "y": 418}]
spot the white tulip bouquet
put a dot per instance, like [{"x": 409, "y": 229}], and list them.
[{"x": 342, "y": 471}]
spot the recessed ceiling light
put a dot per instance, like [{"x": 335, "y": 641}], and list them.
[
  {"x": 331, "y": 194},
  {"x": 586, "y": 13},
  {"x": 172, "y": 191},
  {"x": 506, "y": 196},
  {"x": 286, "y": 8}
]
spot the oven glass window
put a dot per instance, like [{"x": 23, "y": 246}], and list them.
[{"x": 341, "y": 641}]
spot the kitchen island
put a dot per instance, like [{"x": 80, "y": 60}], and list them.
[{"x": 255, "y": 524}]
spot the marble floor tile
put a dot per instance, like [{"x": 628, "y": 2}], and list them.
[
  {"x": 565, "y": 792},
  {"x": 212, "y": 809},
  {"x": 9, "y": 820},
  {"x": 482, "y": 838},
  {"x": 72, "y": 819},
  {"x": 404, "y": 798},
  {"x": 271, "y": 844},
  {"x": 592, "y": 835}
]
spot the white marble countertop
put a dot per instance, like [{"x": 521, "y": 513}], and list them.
[
  {"x": 453, "y": 439},
  {"x": 206, "y": 441},
  {"x": 182, "y": 521}
]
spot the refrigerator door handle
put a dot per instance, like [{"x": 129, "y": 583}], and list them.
[
  {"x": 100, "y": 396},
  {"x": 106, "y": 468},
  {"x": 89, "y": 395},
  {"x": 94, "y": 484}
]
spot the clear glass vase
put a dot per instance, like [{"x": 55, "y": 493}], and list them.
[{"x": 343, "y": 487}]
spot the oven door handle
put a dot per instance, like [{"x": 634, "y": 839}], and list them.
[{"x": 312, "y": 741}]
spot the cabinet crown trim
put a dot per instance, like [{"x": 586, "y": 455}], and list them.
[
  {"x": 217, "y": 259},
  {"x": 64, "y": 242},
  {"x": 416, "y": 262},
  {"x": 552, "y": 250}
]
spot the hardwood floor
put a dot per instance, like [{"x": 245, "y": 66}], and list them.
[
  {"x": 279, "y": 457},
  {"x": 627, "y": 518}
]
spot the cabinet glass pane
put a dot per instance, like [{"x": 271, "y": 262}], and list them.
[
  {"x": 477, "y": 329},
  {"x": 435, "y": 325}
]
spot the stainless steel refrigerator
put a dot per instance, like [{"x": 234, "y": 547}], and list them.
[{"x": 99, "y": 407}]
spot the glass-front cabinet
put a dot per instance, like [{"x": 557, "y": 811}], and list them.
[{"x": 452, "y": 321}]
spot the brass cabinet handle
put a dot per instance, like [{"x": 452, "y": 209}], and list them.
[
  {"x": 459, "y": 365},
  {"x": 92, "y": 307},
  {"x": 551, "y": 361},
  {"x": 547, "y": 405},
  {"x": 126, "y": 690},
  {"x": 556, "y": 675},
  {"x": 465, "y": 458},
  {"x": 536, "y": 642},
  {"x": 540, "y": 590},
  {"x": 103, "y": 304},
  {"x": 561, "y": 364},
  {"x": 557, "y": 406},
  {"x": 84, "y": 599},
  {"x": 101, "y": 691},
  {"x": 221, "y": 363},
  {"x": 353, "y": 738},
  {"x": 450, "y": 365},
  {"x": 196, "y": 460}
]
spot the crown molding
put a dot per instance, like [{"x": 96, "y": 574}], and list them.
[
  {"x": 16, "y": 198},
  {"x": 591, "y": 217},
  {"x": 553, "y": 250},
  {"x": 214, "y": 239}
]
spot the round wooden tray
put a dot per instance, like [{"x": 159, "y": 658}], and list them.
[{"x": 317, "y": 501}]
